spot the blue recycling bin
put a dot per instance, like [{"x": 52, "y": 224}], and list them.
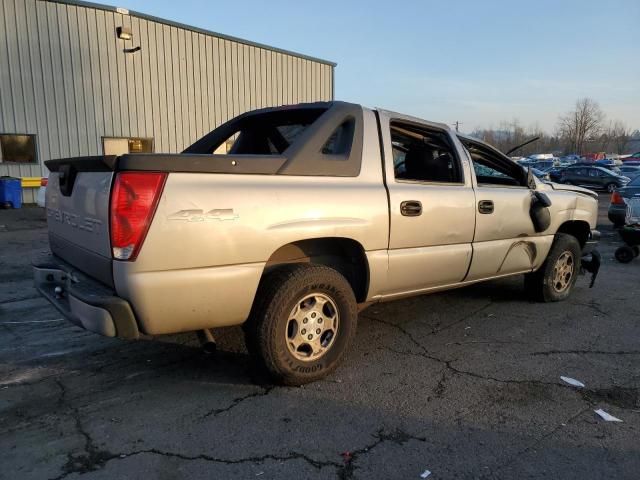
[{"x": 10, "y": 192}]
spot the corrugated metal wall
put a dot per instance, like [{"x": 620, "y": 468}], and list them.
[{"x": 64, "y": 77}]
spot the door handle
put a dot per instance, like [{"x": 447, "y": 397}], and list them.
[
  {"x": 485, "y": 206},
  {"x": 411, "y": 208}
]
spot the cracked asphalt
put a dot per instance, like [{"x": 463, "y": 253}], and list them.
[{"x": 464, "y": 383}]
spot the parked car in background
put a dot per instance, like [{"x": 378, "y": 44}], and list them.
[
  {"x": 540, "y": 162},
  {"x": 555, "y": 173},
  {"x": 584, "y": 163},
  {"x": 595, "y": 156},
  {"x": 543, "y": 164},
  {"x": 536, "y": 157},
  {"x": 614, "y": 169},
  {"x": 630, "y": 171},
  {"x": 570, "y": 159},
  {"x": 595, "y": 178},
  {"x": 631, "y": 158},
  {"x": 607, "y": 162},
  {"x": 618, "y": 207},
  {"x": 542, "y": 175},
  {"x": 525, "y": 162},
  {"x": 566, "y": 163}
]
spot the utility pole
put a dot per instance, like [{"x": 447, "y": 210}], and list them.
[{"x": 457, "y": 125}]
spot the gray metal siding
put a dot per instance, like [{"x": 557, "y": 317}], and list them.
[{"x": 65, "y": 78}]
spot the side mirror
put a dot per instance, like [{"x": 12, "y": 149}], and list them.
[
  {"x": 531, "y": 179},
  {"x": 542, "y": 199},
  {"x": 539, "y": 212}
]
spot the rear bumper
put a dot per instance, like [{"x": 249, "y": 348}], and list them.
[{"x": 82, "y": 300}]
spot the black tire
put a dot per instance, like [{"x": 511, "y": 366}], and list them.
[
  {"x": 611, "y": 187},
  {"x": 540, "y": 286},
  {"x": 266, "y": 330},
  {"x": 636, "y": 250},
  {"x": 624, "y": 254}
]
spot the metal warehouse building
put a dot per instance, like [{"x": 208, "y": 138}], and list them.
[{"x": 83, "y": 79}]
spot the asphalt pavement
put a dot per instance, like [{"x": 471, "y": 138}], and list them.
[{"x": 465, "y": 384}]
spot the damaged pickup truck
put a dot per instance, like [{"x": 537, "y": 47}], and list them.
[{"x": 316, "y": 210}]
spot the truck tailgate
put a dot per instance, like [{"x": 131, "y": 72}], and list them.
[{"x": 77, "y": 204}]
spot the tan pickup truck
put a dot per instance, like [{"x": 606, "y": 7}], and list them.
[{"x": 316, "y": 211}]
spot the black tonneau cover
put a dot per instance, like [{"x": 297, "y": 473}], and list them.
[{"x": 171, "y": 162}]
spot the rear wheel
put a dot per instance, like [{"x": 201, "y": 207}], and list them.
[
  {"x": 555, "y": 279},
  {"x": 624, "y": 254},
  {"x": 611, "y": 187},
  {"x": 302, "y": 322}
]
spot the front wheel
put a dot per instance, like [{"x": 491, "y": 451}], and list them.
[
  {"x": 555, "y": 279},
  {"x": 304, "y": 318}
]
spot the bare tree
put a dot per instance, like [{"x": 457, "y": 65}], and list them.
[
  {"x": 582, "y": 124},
  {"x": 579, "y": 131},
  {"x": 512, "y": 133},
  {"x": 601, "y": 142},
  {"x": 619, "y": 134}
]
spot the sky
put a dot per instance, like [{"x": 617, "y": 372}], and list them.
[{"x": 479, "y": 62}]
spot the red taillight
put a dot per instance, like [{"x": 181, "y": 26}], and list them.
[
  {"x": 134, "y": 199},
  {"x": 616, "y": 199},
  {"x": 44, "y": 181}
]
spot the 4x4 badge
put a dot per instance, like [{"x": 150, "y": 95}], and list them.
[{"x": 201, "y": 216}]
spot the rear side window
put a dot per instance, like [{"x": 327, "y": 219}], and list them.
[
  {"x": 265, "y": 139},
  {"x": 424, "y": 155},
  {"x": 292, "y": 131},
  {"x": 267, "y": 133},
  {"x": 339, "y": 143}
]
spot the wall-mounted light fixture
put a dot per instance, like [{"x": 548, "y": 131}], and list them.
[{"x": 124, "y": 33}]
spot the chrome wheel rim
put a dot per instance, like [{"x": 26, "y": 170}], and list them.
[
  {"x": 563, "y": 272},
  {"x": 312, "y": 327}
]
